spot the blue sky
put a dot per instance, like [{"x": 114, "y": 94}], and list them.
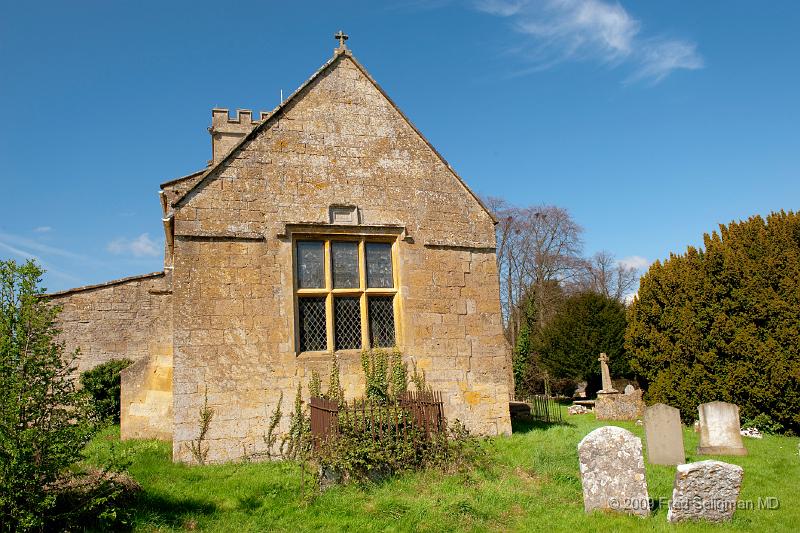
[{"x": 652, "y": 122}]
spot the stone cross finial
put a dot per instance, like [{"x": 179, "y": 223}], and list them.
[
  {"x": 341, "y": 37},
  {"x": 605, "y": 374}
]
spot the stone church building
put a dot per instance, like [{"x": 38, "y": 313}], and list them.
[{"x": 325, "y": 226}]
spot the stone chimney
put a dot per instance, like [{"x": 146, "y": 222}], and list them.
[{"x": 226, "y": 132}]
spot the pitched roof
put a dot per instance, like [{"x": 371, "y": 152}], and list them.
[
  {"x": 182, "y": 178},
  {"x": 279, "y": 110}
]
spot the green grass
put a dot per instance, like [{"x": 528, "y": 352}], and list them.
[{"x": 531, "y": 484}]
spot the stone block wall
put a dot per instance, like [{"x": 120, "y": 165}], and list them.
[
  {"x": 131, "y": 319},
  {"x": 341, "y": 141},
  {"x": 127, "y": 318},
  {"x": 146, "y": 399},
  {"x": 618, "y": 406}
]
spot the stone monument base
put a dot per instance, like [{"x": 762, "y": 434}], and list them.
[
  {"x": 720, "y": 432},
  {"x": 721, "y": 450},
  {"x": 616, "y": 406}
]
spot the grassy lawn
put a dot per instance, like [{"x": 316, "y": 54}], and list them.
[{"x": 532, "y": 484}]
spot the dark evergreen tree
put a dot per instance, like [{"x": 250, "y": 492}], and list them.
[
  {"x": 586, "y": 324},
  {"x": 723, "y": 322}
]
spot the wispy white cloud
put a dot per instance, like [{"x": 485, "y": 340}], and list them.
[
  {"x": 566, "y": 30},
  {"x": 44, "y": 249},
  {"x": 18, "y": 252},
  {"x": 24, "y": 254},
  {"x": 635, "y": 261},
  {"x": 661, "y": 56},
  {"x": 42, "y": 229},
  {"x": 141, "y": 246}
]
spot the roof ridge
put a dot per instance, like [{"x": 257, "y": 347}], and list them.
[
  {"x": 104, "y": 284},
  {"x": 182, "y": 178}
]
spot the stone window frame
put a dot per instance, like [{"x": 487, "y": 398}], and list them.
[{"x": 362, "y": 291}]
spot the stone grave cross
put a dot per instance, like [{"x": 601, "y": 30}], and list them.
[{"x": 606, "y": 375}]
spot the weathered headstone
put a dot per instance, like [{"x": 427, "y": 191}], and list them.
[
  {"x": 707, "y": 490},
  {"x": 664, "y": 436},
  {"x": 629, "y": 389},
  {"x": 719, "y": 429},
  {"x": 612, "y": 471}
]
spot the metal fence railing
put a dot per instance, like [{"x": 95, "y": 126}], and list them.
[{"x": 545, "y": 408}]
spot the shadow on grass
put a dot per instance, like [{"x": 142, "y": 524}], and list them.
[
  {"x": 170, "y": 511},
  {"x": 524, "y": 426}
]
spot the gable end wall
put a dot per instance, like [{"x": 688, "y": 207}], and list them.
[{"x": 339, "y": 142}]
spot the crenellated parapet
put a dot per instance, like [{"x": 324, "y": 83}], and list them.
[{"x": 227, "y": 131}]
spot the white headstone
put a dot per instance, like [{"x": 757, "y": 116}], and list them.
[
  {"x": 707, "y": 490},
  {"x": 719, "y": 429},
  {"x": 629, "y": 389},
  {"x": 612, "y": 472}
]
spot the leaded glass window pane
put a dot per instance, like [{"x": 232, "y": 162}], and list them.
[
  {"x": 347, "y": 322},
  {"x": 379, "y": 265},
  {"x": 345, "y": 264},
  {"x": 381, "y": 321},
  {"x": 313, "y": 333},
  {"x": 310, "y": 264}
]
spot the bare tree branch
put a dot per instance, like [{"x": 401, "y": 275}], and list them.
[{"x": 536, "y": 247}]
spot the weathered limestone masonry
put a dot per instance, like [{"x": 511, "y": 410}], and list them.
[
  {"x": 337, "y": 143},
  {"x": 128, "y": 318}
]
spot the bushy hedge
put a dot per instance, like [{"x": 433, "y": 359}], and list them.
[
  {"x": 103, "y": 384},
  {"x": 360, "y": 453},
  {"x": 723, "y": 322},
  {"x": 45, "y": 421}
]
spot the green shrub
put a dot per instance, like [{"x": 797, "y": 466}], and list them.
[
  {"x": 386, "y": 374},
  {"x": 296, "y": 444},
  {"x": 375, "y": 364},
  {"x": 366, "y": 444},
  {"x": 198, "y": 447},
  {"x": 765, "y": 424},
  {"x": 315, "y": 385},
  {"x": 398, "y": 374},
  {"x": 45, "y": 421},
  {"x": 372, "y": 452},
  {"x": 721, "y": 323},
  {"x": 94, "y": 499},
  {"x": 335, "y": 392},
  {"x": 103, "y": 383}
]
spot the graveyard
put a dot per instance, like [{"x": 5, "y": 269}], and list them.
[
  {"x": 485, "y": 266},
  {"x": 529, "y": 481}
]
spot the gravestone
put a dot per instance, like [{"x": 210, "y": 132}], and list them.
[
  {"x": 612, "y": 472},
  {"x": 719, "y": 429},
  {"x": 664, "y": 435},
  {"x": 629, "y": 389},
  {"x": 707, "y": 490}
]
